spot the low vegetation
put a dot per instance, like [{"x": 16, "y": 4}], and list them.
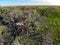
[{"x": 30, "y": 25}]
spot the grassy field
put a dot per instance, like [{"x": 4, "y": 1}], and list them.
[{"x": 42, "y": 25}]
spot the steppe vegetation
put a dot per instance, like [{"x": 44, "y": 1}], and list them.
[{"x": 30, "y": 25}]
